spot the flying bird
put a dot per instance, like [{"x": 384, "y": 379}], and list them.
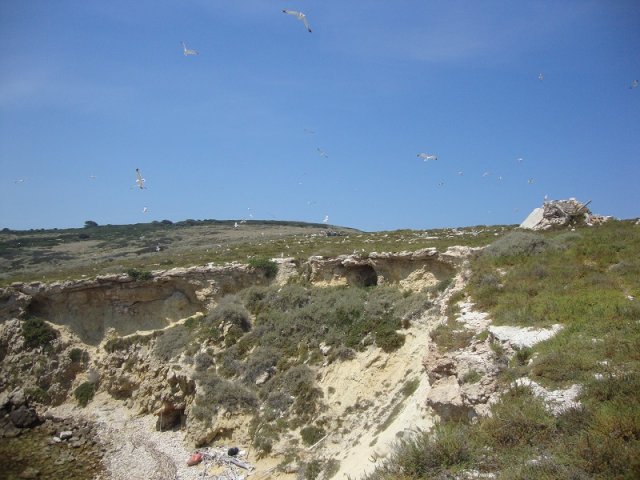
[
  {"x": 139, "y": 180},
  {"x": 460, "y": 173},
  {"x": 145, "y": 210},
  {"x": 326, "y": 219},
  {"x": 530, "y": 181},
  {"x": 426, "y": 157},
  {"x": 541, "y": 77},
  {"x": 519, "y": 159},
  {"x": 300, "y": 16},
  {"x": 188, "y": 51},
  {"x": 20, "y": 180},
  {"x": 322, "y": 153},
  {"x": 634, "y": 84}
]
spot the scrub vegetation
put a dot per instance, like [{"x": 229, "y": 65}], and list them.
[{"x": 588, "y": 281}]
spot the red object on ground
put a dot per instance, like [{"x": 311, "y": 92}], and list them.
[{"x": 194, "y": 459}]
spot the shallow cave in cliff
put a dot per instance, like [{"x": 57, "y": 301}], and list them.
[
  {"x": 171, "y": 419},
  {"x": 362, "y": 276}
]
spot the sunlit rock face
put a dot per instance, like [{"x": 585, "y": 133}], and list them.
[
  {"x": 410, "y": 270},
  {"x": 91, "y": 307}
]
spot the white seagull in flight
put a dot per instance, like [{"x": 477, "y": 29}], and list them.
[
  {"x": 541, "y": 77},
  {"x": 300, "y": 16},
  {"x": 139, "y": 180},
  {"x": 322, "y": 153},
  {"x": 426, "y": 157},
  {"x": 634, "y": 84},
  {"x": 188, "y": 51}
]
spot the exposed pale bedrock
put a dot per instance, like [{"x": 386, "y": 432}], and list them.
[{"x": 90, "y": 307}]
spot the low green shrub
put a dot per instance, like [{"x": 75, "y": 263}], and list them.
[
  {"x": 518, "y": 243},
  {"x": 609, "y": 447},
  {"x": 451, "y": 335},
  {"x": 38, "y": 394},
  {"x": 299, "y": 383},
  {"x": 261, "y": 360},
  {"x": 215, "y": 393},
  {"x": 229, "y": 311},
  {"x": 389, "y": 340},
  {"x": 472, "y": 376},
  {"x": 518, "y": 419},
  {"x": 37, "y": 333},
  {"x": 123, "y": 343},
  {"x": 410, "y": 387},
  {"x": 202, "y": 361},
  {"x": 77, "y": 355},
  {"x": 311, "y": 434},
  {"x": 139, "y": 275},
  {"x": 428, "y": 455},
  {"x": 84, "y": 393},
  {"x": 172, "y": 343},
  {"x": 523, "y": 355},
  {"x": 269, "y": 267}
]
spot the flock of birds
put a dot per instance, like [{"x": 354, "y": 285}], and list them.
[
  {"x": 300, "y": 16},
  {"x": 426, "y": 157}
]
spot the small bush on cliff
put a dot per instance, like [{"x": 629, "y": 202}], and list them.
[
  {"x": 311, "y": 434},
  {"x": 37, "y": 333},
  {"x": 269, "y": 267},
  {"x": 216, "y": 393},
  {"x": 172, "y": 343},
  {"x": 84, "y": 393},
  {"x": 123, "y": 343},
  {"x": 298, "y": 381},
  {"x": 77, "y": 355},
  {"x": 518, "y": 243},
  {"x": 139, "y": 275},
  {"x": 229, "y": 312},
  {"x": 440, "y": 454}
]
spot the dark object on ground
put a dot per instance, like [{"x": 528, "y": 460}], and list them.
[{"x": 233, "y": 451}]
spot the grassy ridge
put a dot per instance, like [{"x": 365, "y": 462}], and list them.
[
  {"x": 588, "y": 281},
  {"x": 49, "y": 255}
]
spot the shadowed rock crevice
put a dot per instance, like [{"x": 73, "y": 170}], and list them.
[
  {"x": 361, "y": 276},
  {"x": 411, "y": 270}
]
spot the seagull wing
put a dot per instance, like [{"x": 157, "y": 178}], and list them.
[
  {"x": 188, "y": 51},
  {"x": 300, "y": 16},
  {"x": 139, "y": 180},
  {"x": 306, "y": 24}
]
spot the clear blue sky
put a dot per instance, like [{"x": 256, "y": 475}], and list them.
[{"x": 100, "y": 88}]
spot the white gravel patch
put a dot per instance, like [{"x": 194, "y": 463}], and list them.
[
  {"x": 523, "y": 337},
  {"x": 557, "y": 401},
  {"x": 473, "y": 319}
]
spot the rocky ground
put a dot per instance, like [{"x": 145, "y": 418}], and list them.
[{"x": 371, "y": 400}]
